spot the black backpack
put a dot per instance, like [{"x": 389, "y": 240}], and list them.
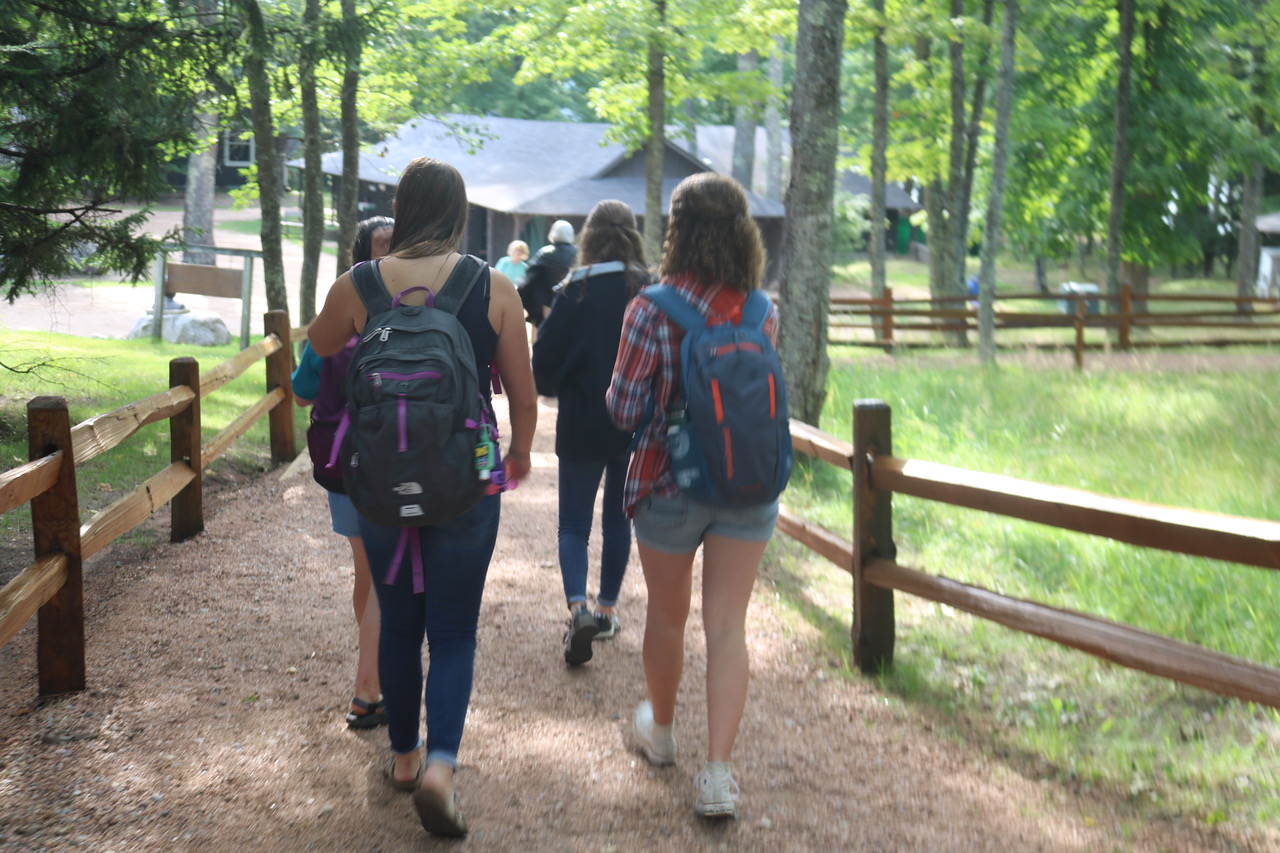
[{"x": 418, "y": 446}]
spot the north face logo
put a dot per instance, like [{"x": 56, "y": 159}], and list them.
[{"x": 406, "y": 489}]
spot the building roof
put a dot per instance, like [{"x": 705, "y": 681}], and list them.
[
  {"x": 1269, "y": 223},
  {"x": 556, "y": 168}
]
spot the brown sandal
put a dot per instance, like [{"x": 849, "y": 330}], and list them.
[
  {"x": 402, "y": 784},
  {"x": 438, "y": 815}
]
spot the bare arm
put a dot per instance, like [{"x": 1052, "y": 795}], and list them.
[
  {"x": 342, "y": 316},
  {"x": 506, "y": 315}
]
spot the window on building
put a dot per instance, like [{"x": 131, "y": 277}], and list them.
[{"x": 237, "y": 150}]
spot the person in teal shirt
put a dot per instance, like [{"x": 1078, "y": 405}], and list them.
[{"x": 514, "y": 263}]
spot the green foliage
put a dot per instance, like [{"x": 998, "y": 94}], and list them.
[
  {"x": 851, "y": 223},
  {"x": 96, "y": 96},
  {"x": 609, "y": 44}
]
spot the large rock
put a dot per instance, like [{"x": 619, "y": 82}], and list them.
[{"x": 202, "y": 328}]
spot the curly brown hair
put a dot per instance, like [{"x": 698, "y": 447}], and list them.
[
  {"x": 711, "y": 235},
  {"x": 610, "y": 234},
  {"x": 430, "y": 208}
]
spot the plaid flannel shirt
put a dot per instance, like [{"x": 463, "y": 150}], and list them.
[{"x": 647, "y": 371}]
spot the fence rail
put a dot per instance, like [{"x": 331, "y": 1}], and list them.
[
  {"x": 881, "y": 322},
  {"x": 51, "y": 587},
  {"x": 871, "y": 556}
]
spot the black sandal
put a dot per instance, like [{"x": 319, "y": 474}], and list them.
[{"x": 372, "y": 717}]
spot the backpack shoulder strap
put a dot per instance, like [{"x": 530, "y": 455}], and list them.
[
  {"x": 755, "y": 309},
  {"x": 675, "y": 306},
  {"x": 370, "y": 288},
  {"x": 458, "y": 286}
]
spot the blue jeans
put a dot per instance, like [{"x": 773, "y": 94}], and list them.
[
  {"x": 455, "y": 561},
  {"x": 578, "y": 484}
]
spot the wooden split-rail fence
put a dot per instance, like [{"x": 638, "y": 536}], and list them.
[
  {"x": 891, "y": 323},
  {"x": 51, "y": 585}
]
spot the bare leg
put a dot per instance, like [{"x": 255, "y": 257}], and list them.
[
  {"x": 729, "y": 568},
  {"x": 406, "y": 765},
  {"x": 368, "y": 617},
  {"x": 669, "y": 578}
]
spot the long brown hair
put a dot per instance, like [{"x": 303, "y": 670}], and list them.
[
  {"x": 430, "y": 208},
  {"x": 610, "y": 234},
  {"x": 711, "y": 235}
]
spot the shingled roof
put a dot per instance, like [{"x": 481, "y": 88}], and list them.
[
  {"x": 562, "y": 168},
  {"x": 529, "y": 167}
]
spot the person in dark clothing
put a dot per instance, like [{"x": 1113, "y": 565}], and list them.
[
  {"x": 546, "y": 270},
  {"x": 573, "y": 360}
]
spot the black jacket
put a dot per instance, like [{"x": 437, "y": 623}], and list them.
[
  {"x": 573, "y": 360},
  {"x": 547, "y": 269}
]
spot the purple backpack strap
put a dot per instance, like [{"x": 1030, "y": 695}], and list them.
[{"x": 408, "y": 542}]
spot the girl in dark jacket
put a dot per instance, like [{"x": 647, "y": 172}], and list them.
[{"x": 573, "y": 361}]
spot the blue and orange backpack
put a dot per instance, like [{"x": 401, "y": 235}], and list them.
[{"x": 735, "y": 449}]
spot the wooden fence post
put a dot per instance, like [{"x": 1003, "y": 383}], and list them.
[
  {"x": 886, "y": 321},
  {"x": 279, "y": 370},
  {"x": 1126, "y": 314},
  {"x": 55, "y": 528},
  {"x": 873, "y": 622},
  {"x": 187, "y": 517},
  {"x": 1079, "y": 322}
]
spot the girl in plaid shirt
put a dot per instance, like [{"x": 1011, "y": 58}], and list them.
[{"x": 714, "y": 257}]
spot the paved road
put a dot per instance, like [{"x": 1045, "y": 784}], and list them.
[{"x": 109, "y": 309}]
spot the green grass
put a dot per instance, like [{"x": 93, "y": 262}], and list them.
[
  {"x": 97, "y": 376},
  {"x": 289, "y": 233},
  {"x": 1202, "y": 441}
]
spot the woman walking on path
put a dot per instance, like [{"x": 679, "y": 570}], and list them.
[
  {"x": 714, "y": 257},
  {"x": 322, "y": 383},
  {"x": 431, "y": 215},
  {"x": 573, "y": 360}
]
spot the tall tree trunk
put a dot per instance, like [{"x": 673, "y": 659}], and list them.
[
  {"x": 268, "y": 157},
  {"x": 348, "y": 201},
  {"x": 807, "y": 230},
  {"x": 773, "y": 125},
  {"x": 690, "y": 109},
  {"x": 972, "y": 135},
  {"x": 995, "y": 197},
  {"x": 876, "y": 248},
  {"x": 951, "y": 262},
  {"x": 655, "y": 153},
  {"x": 312, "y": 176},
  {"x": 1248, "y": 247},
  {"x": 1250, "y": 207},
  {"x": 1120, "y": 144},
  {"x": 197, "y": 198},
  {"x": 744, "y": 128},
  {"x": 935, "y": 249}
]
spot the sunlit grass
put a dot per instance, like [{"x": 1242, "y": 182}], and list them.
[
  {"x": 96, "y": 376},
  {"x": 1195, "y": 440}
]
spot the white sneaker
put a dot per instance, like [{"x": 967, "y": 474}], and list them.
[
  {"x": 717, "y": 791},
  {"x": 609, "y": 625},
  {"x": 658, "y": 747}
]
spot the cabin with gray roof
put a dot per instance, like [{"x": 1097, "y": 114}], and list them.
[{"x": 522, "y": 175}]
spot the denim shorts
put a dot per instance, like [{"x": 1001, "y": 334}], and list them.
[
  {"x": 346, "y": 521},
  {"x": 676, "y": 525}
]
